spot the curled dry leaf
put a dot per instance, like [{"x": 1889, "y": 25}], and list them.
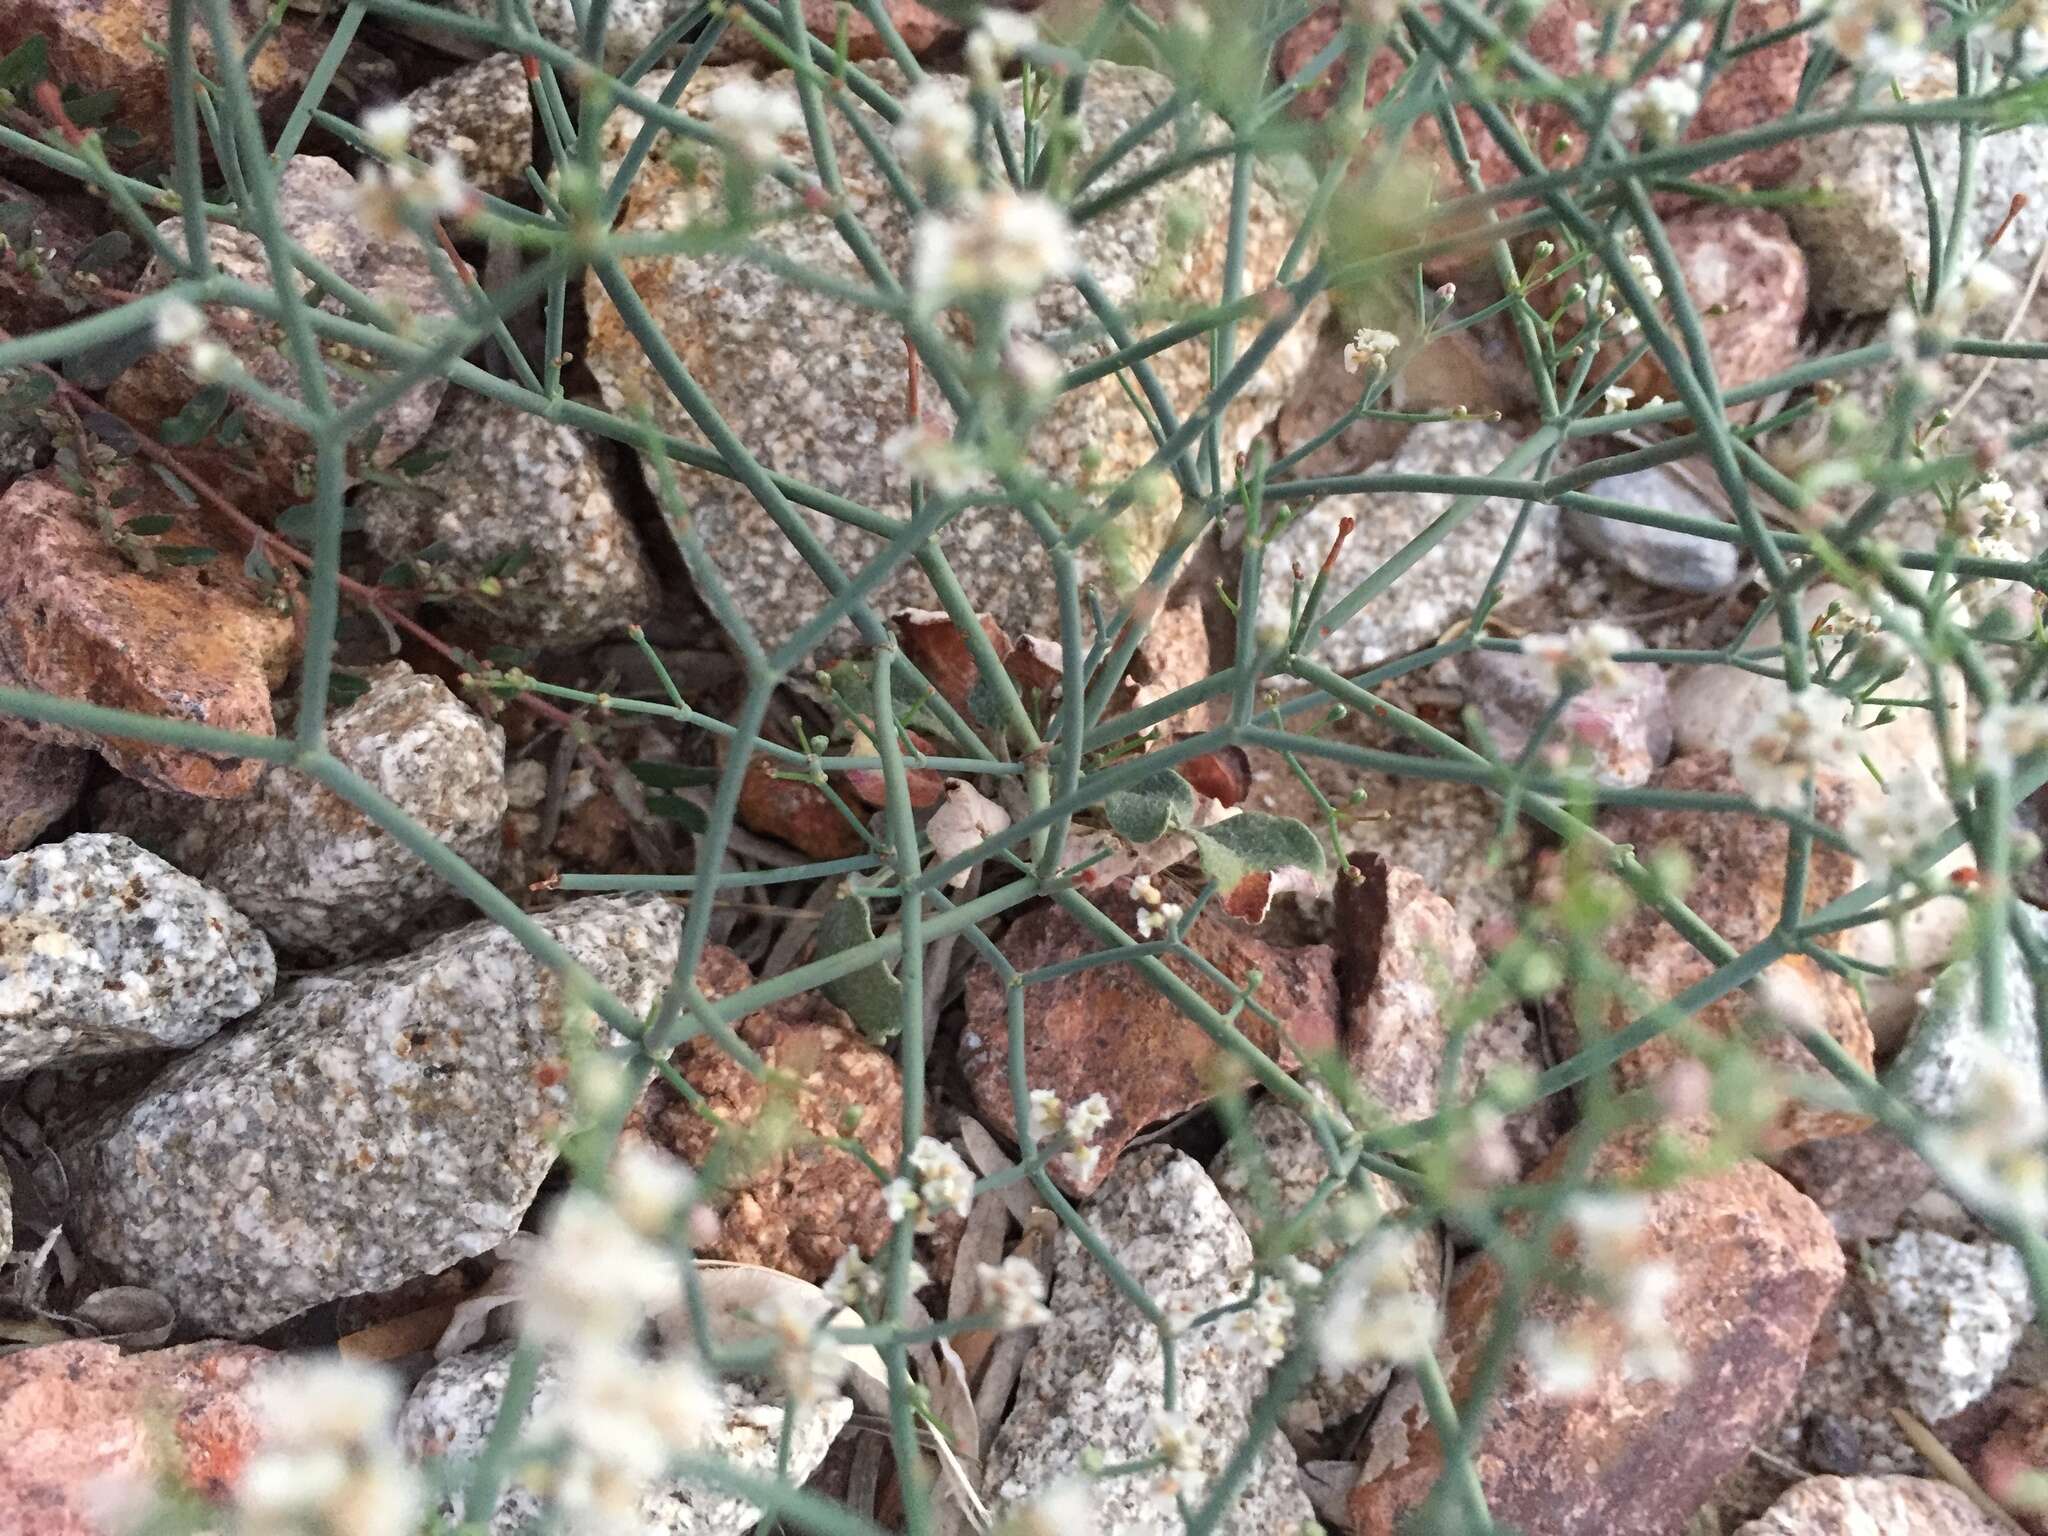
[
  {"x": 132, "y": 1316},
  {"x": 1224, "y": 775},
  {"x": 966, "y": 820},
  {"x": 1037, "y": 663},
  {"x": 795, "y": 812},
  {"x": 926, "y": 785}
]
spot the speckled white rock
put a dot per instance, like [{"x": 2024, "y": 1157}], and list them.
[
  {"x": 815, "y": 388},
  {"x": 451, "y": 1412},
  {"x": 1873, "y": 1506},
  {"x": 367, "y": 1127},
  {"x": 1293, "y": 1167},
  {"x": 1936, "y": 1068},
  {"x": 1093, "y": 1377},
  {"x": 1664, "y": 557},
  {"x": 483, "y": 115},
  {"x": 106, "y": 949},
  {"x": 1871, "y": 231},
  {"x": 631, "y": 25},
  {"x": 1948, "y": 1315},
  {"x": 1442, "y": 586},
  {"x": 269, "y": 468},
  {"x": 323, "y": 880},
  {"x": 510, "y": 482}
]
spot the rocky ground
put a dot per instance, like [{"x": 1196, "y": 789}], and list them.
[{"x": 268, "y": 1087}]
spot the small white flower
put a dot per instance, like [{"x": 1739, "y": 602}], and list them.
[
  {"x": 388, "y": 128},
  {"x": 325, "y": 1458},
  {"x": 1616, "y": 399},
  {"x": 444, "y": 190},
  {"x": 1374, "y": 1313},
  {"x": 594, "y": 1279},
  {"x": 1176, "y": 1441},
  {"x": 931, "y": 458},
  {"x": 1787, "y": 746},
  {"x": 1883, "y": 37},
  {"x": 1565, "y": 1364},
  {"x": 1885, "y": 832},
  {"x": 1047, "y": 1112},
  {"x": 1087, "y": 1119},
  {"x": 1370, "y": 350},
  {"x": 1001, "y": 37},
  {"x": 945, "y": 1182},
  {"x": 935, "y": 136},
  {"x": 1657, "y": 111},
  {"x": 750, "y": 119},
  {"x": 1015, "y": 1291},
  {"x": 649, "y": 1188},
  {"x": 1065, "y": 1509},
  {"x": 178, "y": 323},
  {"x": 808, "y": 1360},
  {"x": 1583, "y": 656},
  {"x": 1006, "y": 245},
  {"x": 1644, "y": 270},
  {"x": 900, "y": 1200},
  {"x": 1082, "y": 1162},
  {"x": 209, "y": 361},
  {"x": 1144, "y": 890}
]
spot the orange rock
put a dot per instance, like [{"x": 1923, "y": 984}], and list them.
[
  {"x": 79, "y": 1420},
  {"x": 1738, "y": 862},
  {"x": 794, "y": 810},
  {"x": 1107, "y": 1030},
  {"x": 788, "y": 1203},
  {"x": 921, "y": 29},
  {"x": 1755, "y": 1264},
  {"x": 193, "y": 642}
]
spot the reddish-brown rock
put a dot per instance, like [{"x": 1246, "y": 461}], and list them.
[
  {"x": 2017, "y": 1449},
  {"x": 81, "y": 1421},
  {"x": 921, "y": 28},
  {"x": 191, "y": 642},
  {"x": 1738, "y": 864},
  {"x": 1882, "y": 1506},
  {"x": 795, "y": 811},
  {"x": 1756, "y": 88},
  {"x": 1106, "y": 1030},
  {"x": 1755, "y": 1264},
  {"x": 1405, "y": 964},
  {"x": 1864, "y": 1181},
  {"x": 786, "y": 1201},
  {"x": 39, "y": 782},
  {"x": 112, "y": 45}
]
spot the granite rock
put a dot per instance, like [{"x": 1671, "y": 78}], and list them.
[
  {"x": 1869, "y": 234},
  {"x": 509, "y": 483},
  {"x": 369, "y": 1126},
  {"x": 1663, "y": 557},
  {"x": 105, "y": 949},
  {"x": 1442, "y": 586},
  {"x": 1948, "y": 1314},
  {"x": 1754, "y": 1265},
  {"x": 483, "y": 115},
  {"x": 788, "y": 1205},
  {"x": 1935, "y": 1070},
  {"x": 814, "y": 387},
  {"x": 82, "y": 1425},
  {"x": 270, "y": 467},
  {"x": 1092, "y": 1380},
  {"x": 1738, "y": 866},
  {"x": 921, "y": 28},
  {"x": 319, "y": 877},
  {"x": 1106, "y": 1030},
  {"x": 1895, "y": 1506},
  {"x": 451, "y": 1411},
  {"x": 187, "y": 642},
  {"x": 1291, "y": 1167},
  {"x": 119, "y": 45},
  {"x": 1621, "y": 733},
  {"x": 40, "y": 782}
]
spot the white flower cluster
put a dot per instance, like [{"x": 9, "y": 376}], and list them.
[
  {"x": 1609, "y": 1228},
  {"x": 326, "y": 1462},
  {"x": 1002, "y": 245},
  {"x": 944, "y": 1182},
  {"x": 1080, "y": 1126},
  {"x": 1657, "y": 111},
  {"x": 1374, "y": 1313},
  {"x": 1370, "y": 350},
  {"x": 602, "y": 1268},
  {"x": 2027, "y": 21},
  {"x": 1015, "y": 1291},
  {"x": 1994, "y": 1153},
  {"x": 935, "y": 137},
  {"x": 1880, "y": 37},
  {"x": 933, "y": 459},
  {"x": 1786, "y": 747},
  {"x": 751, "y": 120},
  {"x": 858, "y": 1284},
  {"x": 180, "y": 324},
  {"x": 1885, "y": 831},
  {"x": 1583, "y": 656},
  {"x": 1001, "y": 37},
  {"x": 1179, "y": 1444},
  {"x": 1261, "y": 1329},
  {"x": 1622, "y": 322},
  {"x": 1155, "y": 913},
  {"x": 388, "y": 195}
]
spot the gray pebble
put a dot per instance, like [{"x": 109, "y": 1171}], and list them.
[{"x": 1663, "y": 557}]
